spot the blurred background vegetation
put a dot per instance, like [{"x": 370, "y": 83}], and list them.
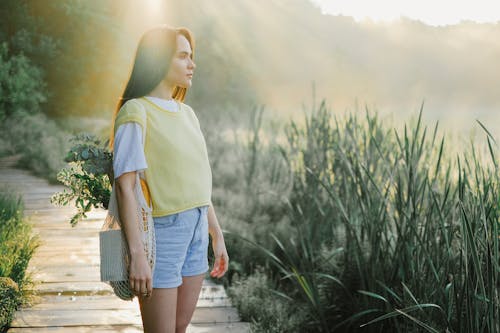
[{"x": 332, "y": 221}]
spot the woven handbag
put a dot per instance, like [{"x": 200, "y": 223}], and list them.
[{"x": 114, "y": 251}]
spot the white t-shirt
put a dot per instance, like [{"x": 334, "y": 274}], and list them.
[{"x": 128, "y": 151}]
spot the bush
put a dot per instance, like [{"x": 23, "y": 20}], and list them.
[
  {"x": 22, "y": 88},
  {"x": 40, "y": 142},
  {"x": 258, "y": 303},
  {"x": 16, "y": 249},
  {"x": 24, "y": 129},
  {"x": 9, "y": 295}
]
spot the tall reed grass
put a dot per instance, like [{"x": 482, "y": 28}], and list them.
[{"x": 388, "y": 232}]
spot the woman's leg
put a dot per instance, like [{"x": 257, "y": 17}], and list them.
[
  {"x": 159, "y": 310},
  {"x": 187, "y": 297}
]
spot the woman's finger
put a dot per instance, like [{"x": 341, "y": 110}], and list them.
[
  {"x": 220, "y": 265},
  {"x": 144, "y": 287},
  {"x": 215, "y": 268},
  {"x": 132, "y": 285},
  {"x": 149, "y": 287}
]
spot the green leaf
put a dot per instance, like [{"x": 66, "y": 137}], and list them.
[
  {"x": 85, "y": 154},
  {"x": 376, "y": 296}
]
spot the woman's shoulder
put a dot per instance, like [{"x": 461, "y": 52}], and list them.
[
  {"x": 131, "y": 110},
  {"x": 186, "y": 106},
  {"x": 183, "y": 104},
  {"x": 132, "y": 103}
]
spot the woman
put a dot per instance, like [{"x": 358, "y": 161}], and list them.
[{"x": 175, "y": 163}]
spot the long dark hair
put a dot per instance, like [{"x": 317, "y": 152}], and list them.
[{"x": 154, "y": 54}]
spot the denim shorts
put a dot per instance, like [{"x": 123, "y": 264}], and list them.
[{"x": 181, "y": 246}]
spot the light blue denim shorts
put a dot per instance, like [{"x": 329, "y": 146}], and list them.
[{"x": 181, "y": 246}]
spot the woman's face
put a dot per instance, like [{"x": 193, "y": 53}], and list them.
[{"x": 182, "y": 66}]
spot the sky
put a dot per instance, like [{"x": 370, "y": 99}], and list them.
[{"x": 432, "y": 12}]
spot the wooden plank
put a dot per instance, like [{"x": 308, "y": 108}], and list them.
[
  {"x": 93, "y": 288},
  {"x": 18, "y": 180},
  {"x": 53, "y": 258},
  {"x": 67, "y": 232},
  {"x": 50, "y": 250},
  {"x": 86, "y": 288},
  {"x": 63, "y": 224},
  {"x": 71, "y": 239},
  {"x": 36, "y": 318},
  {"x": 238, "y": 327},
  {"x": 50, "y": 210},
  {"x": 212, "y": 292},
  {"x": 74, "y": 288},
  {"x": 234, "y": 327},
  {"x": 64, "y": 214},
  {"x": 82, "y": 317},
  {"x": 69, "y": 273},
  {"x": 81, "y": 329},
  {"x": 56, "y": 225},
  {"x": 67, "y": 302}
]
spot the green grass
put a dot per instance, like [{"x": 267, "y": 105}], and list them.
[
  {"x": 16, "y": 248},
  {"x": 373, "y": 230}
]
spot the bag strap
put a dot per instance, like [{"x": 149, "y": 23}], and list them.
[
  {"x": 145, "y": 122},
  {"x": 144, "y": 184}
]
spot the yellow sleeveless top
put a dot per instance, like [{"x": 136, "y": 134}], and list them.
[{"x": 178, "y": 176}]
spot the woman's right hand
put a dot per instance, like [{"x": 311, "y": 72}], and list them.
[{"x": 140, "y": 277}]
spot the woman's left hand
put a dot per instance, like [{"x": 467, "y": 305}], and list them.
[{"x": 221, "y": 263}]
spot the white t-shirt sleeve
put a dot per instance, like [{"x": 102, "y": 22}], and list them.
[{"x": 128, "y": 152}]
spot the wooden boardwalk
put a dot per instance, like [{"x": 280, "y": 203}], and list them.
[{"x": 66, "y": 270}]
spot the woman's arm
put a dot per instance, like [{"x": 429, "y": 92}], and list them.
[
  {"x": 219, "y": 247},
  {"x": 139, "y": 271}
]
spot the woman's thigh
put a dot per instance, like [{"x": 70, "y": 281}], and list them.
[
  {"x": 159, "y": 310},
  {"x": 187, "y": 298}
]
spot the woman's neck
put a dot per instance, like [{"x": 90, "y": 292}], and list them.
[{"x": 162, "y": 90}]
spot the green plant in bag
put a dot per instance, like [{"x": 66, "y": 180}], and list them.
[{"x": 87, "y": 177}]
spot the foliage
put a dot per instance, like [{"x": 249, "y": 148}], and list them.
[
  {"x": 21, "y": 84},
  {"x": 280, "y": 314},
  {"x": 388, "y": 232},
  {"x": 88, "y": 176},
  {"x": 16, "y": 249},
  {"x": 248, "y": 188},
  {"x": 9, "y": 299},
  {"x": 39, "y": 142},
  {"x": 24, "y": 130}
]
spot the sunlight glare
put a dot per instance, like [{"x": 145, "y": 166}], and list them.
[
  {"x": 431, "y": 12},
  {"x": 155, "y": 9}
]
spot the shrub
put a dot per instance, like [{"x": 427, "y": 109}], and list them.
[
  {"x": 268, "y": 311},
  {"x": 16, "y": 249},
  {"x": 40, "y": 142},
  {"x": 22, "y": 88},
  {"x": 9, "y": 295}
]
